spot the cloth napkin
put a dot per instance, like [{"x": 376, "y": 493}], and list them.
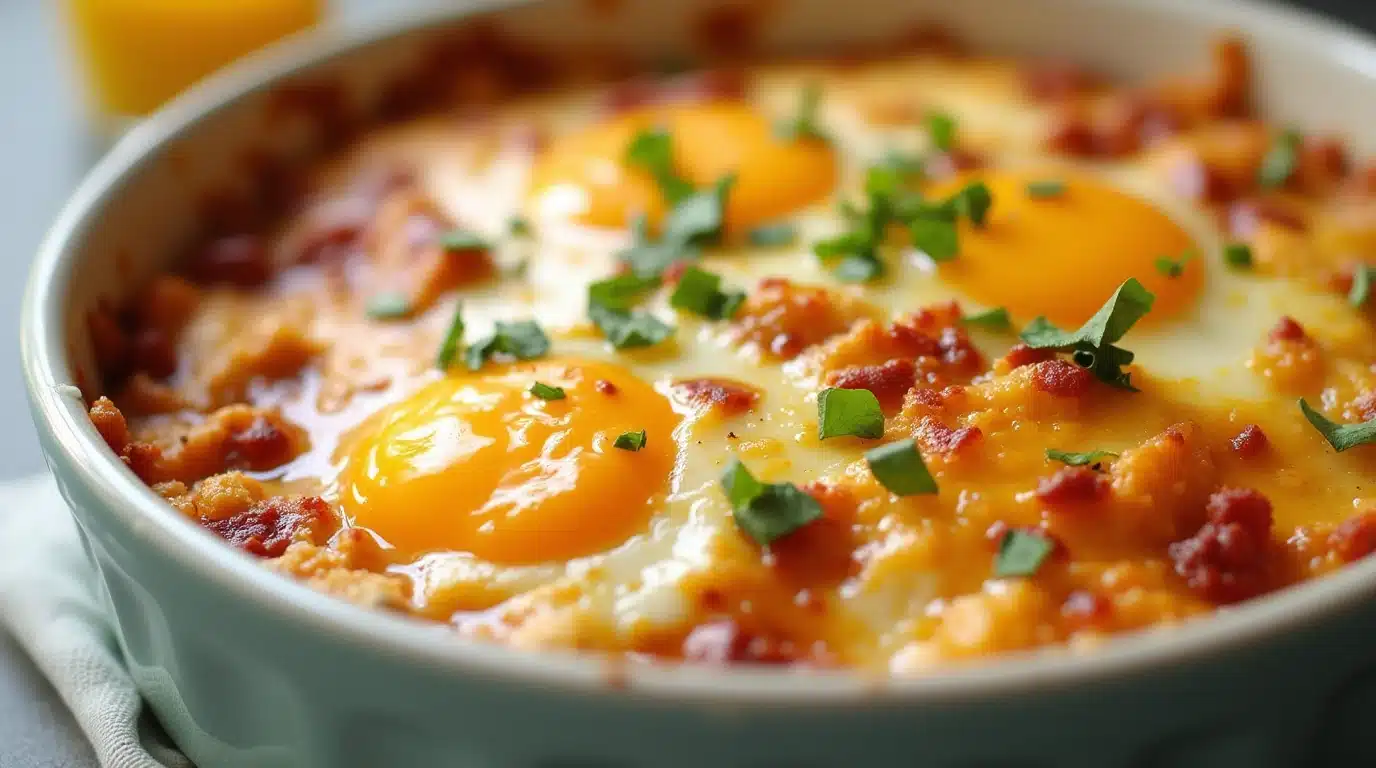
[{"x": 49, "y": 601}]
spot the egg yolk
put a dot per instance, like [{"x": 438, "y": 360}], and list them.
[
  {"x": 477, "y": 463},
  {"x": 584, "y": 176},
  {"x": 1063, "y": 255}
]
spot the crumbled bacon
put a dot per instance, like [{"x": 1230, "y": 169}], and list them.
[
  {"x": 110, "y": 423},
  {"x": 690, "y": 88},
  {"x": 939, "y": 438},
  {"x": 152, "y": 352},
  {"x": 1021, "y": 354},
  {"x": 1071, "y": 134},
  {"x": 1355, "y": 538},
  {"x": 1072, "y": 487},
  {"x": 889, "y": 381},
  {"x": 726, "y": 396},
  {"x": 1061, "y": 379},
  {"x": 1055, "y": 80},
  {"x": 269, "y": 526},
  {"x": 1286, "y": 329},
  {"x": 1251, "y": 442},
  {"x": 239, "y": 260},
  {"x": 605, "y": 387},
  {"x": 1225, "y": 560},
  {"x": 260, "y": 446}
]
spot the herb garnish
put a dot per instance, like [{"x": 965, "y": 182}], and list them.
[
  {"x": 1079, "y": 459},
  {"x": 1092, "y": 346},
  {"x": 995, "y": 319},
  {"x": 804, "y": 125},
  {"x": 1045, "y": 188},
  {"x": 522, "y": 340},
  {"x": 848, "y": 413},
  {"x": 462, "y": 240},
  {"x": 518, "y": 226},
  {"x": 388, "y": 306},
  {"x": 700, "y": 292},
  {"x": 695, "y": 216},
  {"x": 1361, "y": 285},
  {"x": 547, "y": 392},
  {"x": 449, "y": 347},
  {"x": 1173, "y": 267},
  {"x": 772, "y": 235},
  {"x": 630, "y": 441},
  {"x": 942, "y": 129},
  {"x": 1340, "y": 436},
  {"x": 651, "y": 150},
  {"x": 1280, "y": 160},
  {"x": 1238, "y": 255},
  {"x": 1021, "y": 553},
  {"x": 609, "y": 307},
  {"x": 766, "y": 511},
  {"x": 899, "y": 468}
]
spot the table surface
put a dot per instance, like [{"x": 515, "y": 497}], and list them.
[{"x": 44, "y": 150}]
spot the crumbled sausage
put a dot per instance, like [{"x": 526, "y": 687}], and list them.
[
  {"x": 937, "y": 438},
  {"x": 1225, "y": 560}
]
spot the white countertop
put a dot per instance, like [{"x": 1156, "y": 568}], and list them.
[{"x": 43, "y": 152}]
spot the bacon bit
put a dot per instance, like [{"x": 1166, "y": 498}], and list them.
[
  {"x": 1194, "y": 179},
  {"x": 145, "y": 461},
  {"x": 958, "y": 352},
  {"x": 944, "y": 165},
  {"x": 1245, "y": 217},
  {"x": 153, "y": 353},
  {"x": 821, "y": 553},
  {"x": 1055, "y": 80},
  {"x": 1072, "y": 486},
  {"x": 109, "y": 343},
  {"x": 239, "y": 260},
  {"x": 723, "y": 641},
  {"x": 1251, "y": 442},
  {"x": 1084, "y": 609},
  {"x": 110, "y": 423},
  {"x": 1321, "y": 166},
  {"x": 1231, "y": 78},
  {"x": 698, "y": 87},
  {"x": 1365, "y": 404},
  {"x": 269, "y": 526},
  {"x": 927, "y": 398},
  {"x": 1071, "y": 134},
  {"x": 1225, "y": 561},
  {"x": 259, "y": 447},
  {"x": 729, "y": 30},
  {"x": 1287, "y": 329},
  {"x": 907, "y": 340},
  {"x": 1355, "y": 538},
  {"x": 1061, "y": 379},
  {"x": 939, "y": 438},
  {"x": 605, "y": 387},
  {"x": 724, "y": 395},
  {"x": 1021, "y": 355},
  {"x": 889, "y": 381}
]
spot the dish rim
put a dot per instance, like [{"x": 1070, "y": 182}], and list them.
[{"x": 86, "y": 461}]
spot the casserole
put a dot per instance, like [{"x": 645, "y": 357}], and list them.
[{"x": 333, "y": 717}]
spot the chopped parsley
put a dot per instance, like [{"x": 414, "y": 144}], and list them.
[
  {"x": 1360, "y": 291},
  {"x": 547, "y": 392},
  {"x": 700, "y": 292},
  {"x": 766, "y": 511},
  {"x": 522, "y": 340},
  {"x": 803, "y": 125},
  {"x": 849, "y": 413},
  {"x": 518, "y": 226},
  {"x": 1092, "y": 458},
  {"x": 1021, "y": 553},
  {"x": 694, "y": 221},
  {"x": 630, "y": 441},
  {"x": 773, "y": 235},
  {"x": 1173, "y": 267},
  {"x": 1280, "y": 160},
  {"x": 456, "y": 240},
  {"x": 935, "y": 237},
  {"x": 941, "y": 127},
  {"x": 1340, "y": 436},
  {"x": 652, "y": 151},
  {"x": 1092, "y": 346},
  {"x": 1045, "y": 188},
  {"x": 1237, "y": 255},
  {"x": 388, "y": 306},
  {"x": 449, "y": 348},
  {"x": 610, "y": 305},
  {"x": 899, "y": 468},
  {"x": 972, "y": 202},
  {"x": 995, "y": 319}
]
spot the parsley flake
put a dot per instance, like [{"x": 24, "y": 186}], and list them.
[
  {"x": 848, "y": 413},
  {"x": 766, "y": 512},
  {"x": 804, "y": 125},
  {"x": 936, "y": 237},
  {"x": 995, "y": 319},
  {"x": 547, "y": 392},
  {"x": 1360, "y": 291},
  {"x": 609, "y": 307},
  {"x": 388, "y": 306},
  {"x": 773, "y": 235},
  {"x": 1021, "y": 553},
  {"x": 1045, "y": 188},
  {"x": 1237, "y": 255},
  {"x": 941, "y": 127},
  {"x": 457, "y": 240},
  {"x": 700, "y": 292},
  {"x": 1340, "y": 436},
  {"x": 1079, "y": 459},
  {"x": 449, "y": 348},
  {"x": 1280, "y": 160},
  {"x": 1173, "y": 268},
  {"x": 652, "y": 151},
  {"x": 1092, "y": 346},
  {"x": 518, "y": 226},
  {"x": 972, "y": 202},
  {"x": 899, "y": 468},
  {"x": 522, "y": 340},
  {"x": 630, "y": 441}
]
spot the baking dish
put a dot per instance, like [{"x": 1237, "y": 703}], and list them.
[{"x": 245, "y": 668}]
